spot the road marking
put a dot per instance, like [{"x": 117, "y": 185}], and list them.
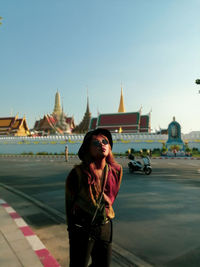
[
  {"x": 172, "y": 163},
  {"x": 191, "y": 164},
  {"x": 198, "y": 170},
  {"x": 166, "y": 175}
]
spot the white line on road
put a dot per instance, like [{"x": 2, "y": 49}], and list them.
[
  {"x": 166, "y": 175},
  {"x": 172, "y": 163},
  {"x": 192, "y": 164}
]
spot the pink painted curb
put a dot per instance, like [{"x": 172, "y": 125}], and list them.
[{"x": 43, "y": 254}]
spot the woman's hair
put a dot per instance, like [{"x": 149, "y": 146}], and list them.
[{"x": 88, "y": 162}]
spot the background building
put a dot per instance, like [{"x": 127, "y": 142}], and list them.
[
  {"x": 13, "y": 126},
  {"x": 55, "y": 123},
  {"x": 84, "y": 125},
  {"x": 127, "y": 122}
]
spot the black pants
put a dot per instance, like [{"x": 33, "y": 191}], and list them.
[{"x": 97, "y": 244}]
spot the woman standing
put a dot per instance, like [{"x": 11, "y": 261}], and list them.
[{"x": 91, "y": 189}]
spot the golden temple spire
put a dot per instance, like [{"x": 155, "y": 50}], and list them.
[{"x": 121, "y": 104}]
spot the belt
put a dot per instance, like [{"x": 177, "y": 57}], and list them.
[{"x": 106, "y": 221}]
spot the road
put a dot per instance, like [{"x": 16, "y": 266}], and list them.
[{"x": 157, "y": 216}]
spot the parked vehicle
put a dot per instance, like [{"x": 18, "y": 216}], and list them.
[{"x": 144, "y": 166}]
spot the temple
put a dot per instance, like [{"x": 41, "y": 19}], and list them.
[
  {"x": 126, "y": 122},
  {"x": 83, "y": 126},
  {"x": 55, "y": 123},
  {"x": 13, "y": 126}
]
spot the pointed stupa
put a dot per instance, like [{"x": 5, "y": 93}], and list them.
[
  {"x": 121, "y": 104},
  {"x": 62, "y": 123},
  {"x": 57, "y": 107},
  {"x": 83, "y": 126}
]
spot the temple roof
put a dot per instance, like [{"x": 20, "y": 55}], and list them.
[
  {"x": 7, "y": 122},
  {"x": 11, "y": 125},
  {"x": 122, "y": 121},
  {"x": 17, "y": 123},
  {"x": 51, "y": 119},
  {"x": 118, "y": 119},
  {"x": 126, "y": 121},
  {"x": 144, "y": 121}
]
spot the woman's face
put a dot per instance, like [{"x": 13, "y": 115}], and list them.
[{"x": 99, "y": 146}]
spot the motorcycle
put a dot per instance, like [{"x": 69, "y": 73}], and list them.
[{"x": 144, "y": 166}]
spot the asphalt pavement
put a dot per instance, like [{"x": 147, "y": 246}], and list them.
[{"x": 157, "y": 216}]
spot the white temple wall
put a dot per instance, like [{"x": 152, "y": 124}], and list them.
[{"x": 56, "y": 144}]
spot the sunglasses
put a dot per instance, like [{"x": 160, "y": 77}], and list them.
[{"x": 98, "y": 143}]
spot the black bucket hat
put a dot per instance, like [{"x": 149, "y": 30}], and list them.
[{"x": 86, "y": 141}]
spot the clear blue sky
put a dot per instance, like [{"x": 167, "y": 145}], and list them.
[{"x": 151, "y": 46}]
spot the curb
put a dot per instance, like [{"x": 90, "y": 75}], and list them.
[
  {"x": 76, "y": 156},
  {"x": 61, "y": 218},
  {"x": 36, "y": 156},
  {"x": 176, "y": 158},
  {"x": 129, "y": 259},
  {"x": 36, "y": 244}
]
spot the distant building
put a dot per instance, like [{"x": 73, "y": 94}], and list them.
[
  {"x": 13, "y": 126},
  {"x": 84, "y": 125},
  {"x": 162, "y": 131},
  {"x": 55, "y": 123},
  {"x": 126, "y": 122}
]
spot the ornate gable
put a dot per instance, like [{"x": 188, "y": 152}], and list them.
[
  {"x": 13, "y": 126},
  {"x": 145, "y": 123}
]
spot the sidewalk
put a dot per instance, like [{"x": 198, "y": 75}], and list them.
[{"x": 20, "y": 247}]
